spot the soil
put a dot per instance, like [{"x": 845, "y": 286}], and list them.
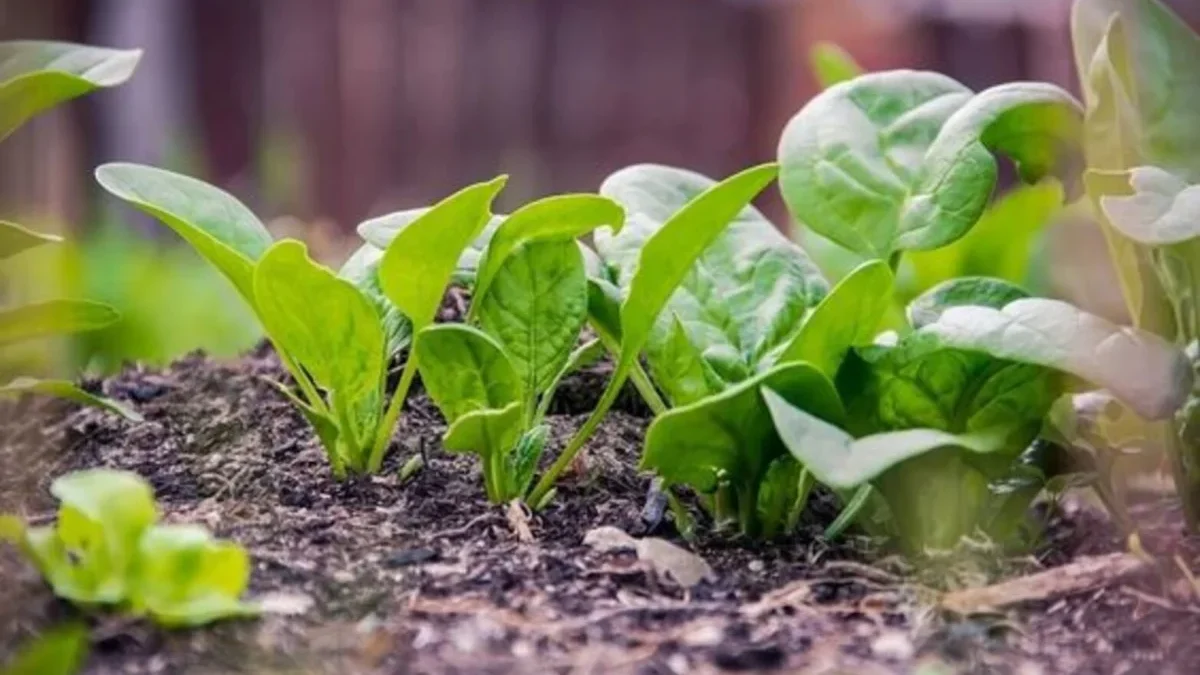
[{"x": 427, "y": 577}]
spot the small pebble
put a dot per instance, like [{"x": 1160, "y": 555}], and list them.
[
  {"x": 757, "y": 566},
  {"x": 893, "y": 646}
]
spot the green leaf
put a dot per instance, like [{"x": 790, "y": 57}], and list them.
[
  {"x": 522, "y": 461},
  {"x": 535, "y": 306},
  {"x": 782, "y": 496},
  {"x": 362, "y": 270},
  {"x": 212, "y": 221},
  {"x": 420, "y": 259},
  {"x": 69, "y": 391},
  {"x": 843, "y": 462},
  {"x": 1161, "y": 208},
  {"x": 491, "y": 434},
  {"x": 1144, "y": 371},
  {"x": 966, "y": 291},
  {"x": 1002, "y": 244},
  {"x": 465, "y": 370},
  {"x": 379, "y": 232},
  {"x": 664, "y": 261},
  {"x": 53, "y": 317},
  {"x": 903, "y": 160},
  {"x": 187, "y": 578},
  {"x": 35, "y": 76},
  {"x": 558, "y": 218},
  {"x": 15, "y": 239},
  {"x": 585, "y": 355},
  {"x": 324, "y": 321},
  {"x": 58, "y": 651},
  {"x": 86, "y": 557},
  {"x": 849, "y": 316},
  {"x": 604, "y": 310},
  {"x": 731, "y": 434},
  {"x": 741, "y": 298},
  {"x": 832, "y": 65}
]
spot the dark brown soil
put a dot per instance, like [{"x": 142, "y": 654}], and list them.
[{"x": 428, "y": 577}]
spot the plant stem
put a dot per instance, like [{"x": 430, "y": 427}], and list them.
[
  {"x": 580, "y": 438},
  {"x": 387, "y": 426},
  {"x": 645, "y": 387},
  {"x": 302, "y": 379}
]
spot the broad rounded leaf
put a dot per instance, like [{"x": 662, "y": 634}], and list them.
[
  {"x": 903, "y": 159},
  {"x": 1148, "y": 374},
  {"x": 15, "y": 239},
  {"x": 847, "y": 317},
  {"x": 54, "y": 317},
  {"x": 323, "y": 321},
  {"x": 421, "y": 258},
  {"x": 37, "y": 75},
  {"x": 964, "y": 291},
  {"x": 558, "y": 218},
  {"x": 535, "y": 306},
  {"x": 69, "y": 391},
  {"x": 464, "y": 370},
  {"x": 212, "y": 221},
  {"x": 1160, "y": 209},
  {"x": 731, "y": 433}
]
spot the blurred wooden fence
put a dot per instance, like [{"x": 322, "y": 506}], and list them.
[{"x": 337, "y": 110}]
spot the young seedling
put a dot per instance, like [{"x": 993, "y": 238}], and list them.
[
  {"x": 333, "y": 333},
  {"x": 35, "y": 76},
  {"x": 494, "y": 383},
  {"x": 107, "y": 550}
]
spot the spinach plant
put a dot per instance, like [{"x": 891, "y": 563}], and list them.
[
  {"x": 940, "y": 421},
  {"x": 1136, "y": 62},
  {"x": 107, "y": 550},
  {"x": 35, "y": 76},
  {"x": 750, "y": 308},
  {"x": 334, "y": 333},
  {"x": 493, "y": 377}
]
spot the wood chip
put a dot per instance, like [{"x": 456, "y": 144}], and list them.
[{"x": 1081, "y": 575}]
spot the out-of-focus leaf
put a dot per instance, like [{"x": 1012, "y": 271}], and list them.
[
  {"x": 15, "y": 239},
  {"x": 69, "y": 391},
  {"x": 185, "y": 577},
  {"x": 54, "y": 317}
]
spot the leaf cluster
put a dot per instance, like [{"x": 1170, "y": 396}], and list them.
[{"x": 107, "y": 549}]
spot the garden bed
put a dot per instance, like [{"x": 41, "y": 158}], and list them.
[{"x": 428, "y": 577}]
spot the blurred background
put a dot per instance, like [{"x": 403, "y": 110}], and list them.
[{"x": 320, "y": 113}]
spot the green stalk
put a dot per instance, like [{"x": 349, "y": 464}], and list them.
[
  {"x": 392, "y": 416},
  {"x": 641, "y": 381},
  {"x": 548, "y": 479}
]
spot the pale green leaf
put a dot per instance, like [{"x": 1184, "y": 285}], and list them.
[
  {"x": 982, "y": 291},
  {"x": 420, "y": 259},
  {"x": 15, "y": 239},
  {"x": 53, "y": 317},
  {"x": 535, "y": 306},
  {"x": 849, "y": 316},
  {"x": 1161, "y": 209},
  {"x": 216, "y": 224},
  {"x": 1140, "y": 368},
  {"x": 379, "y": 232},
  {"x": 465, "y": 370},
  {"x": 69, "y": 391},
  {"x": 37, "y": 75},
  {"x": 491, "y": 434}
]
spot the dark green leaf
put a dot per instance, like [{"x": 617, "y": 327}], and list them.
[{"x": 522, "y": 461}]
